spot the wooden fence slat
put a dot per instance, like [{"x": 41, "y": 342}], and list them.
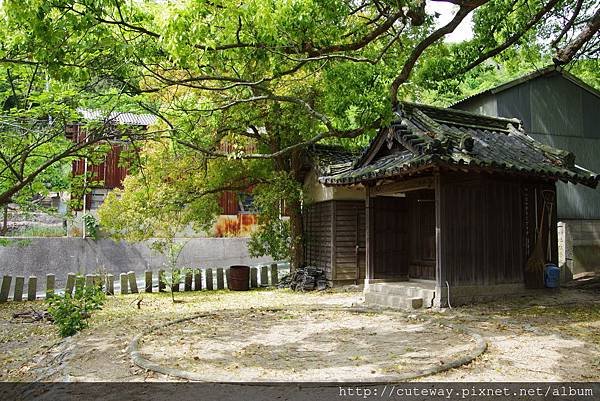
[
  {"x": 197, "y": 279},
  {"x": 253, "y": 277},
  {"x": 148, "y": 279},
  {"x": 123, "y": 279},
  {"x": 18, "y": 291},
  {"x": 110, "y": 284},
  {"x": 70, "y": 283},
  {"x": 264, "y": 276},
  {"x": 161, "y": 282},
  {"x": 220, "y": 283},
  {"x": 50, "y": 281},
  {"x": 133, "y": 288},
  {"x": 227, "y": 278},
  {"x": 209, "y": 279},
  {"x": 4, "y": 290},
  {"x": 188, "y": 280},
  {"x": 32, "y": 288},
  {"x": 274, "y": 274}
]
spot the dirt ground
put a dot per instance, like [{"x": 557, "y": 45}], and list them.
[
  {"x": 300, "y": 344},
  {"x": 550, "y": 336}
]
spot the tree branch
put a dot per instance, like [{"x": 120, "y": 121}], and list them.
[{"x": 568, "y": 52}]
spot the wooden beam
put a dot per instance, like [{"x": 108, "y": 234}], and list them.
[{"x": 404, "y": 186}]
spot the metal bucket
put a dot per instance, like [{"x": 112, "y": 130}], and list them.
[{"x": 239, "y": 277}]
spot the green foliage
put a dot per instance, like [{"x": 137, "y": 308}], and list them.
[
  {"x": 171, "y": 251},
  {"x": 39, "y": 232},
  {"x": 70, "y": 312},
  {"x": 244, "y": 89},
  {"x": 91, "y": 226},
  {"x": 273, "y": 236}
]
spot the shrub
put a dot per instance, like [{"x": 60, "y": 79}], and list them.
[{"x": 70, "y": 312}]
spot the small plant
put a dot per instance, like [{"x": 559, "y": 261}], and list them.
[
  {"x": 70, "y": 312},
  {"x": 91, "y": 226},
  {"x": 174, "y": 280},
  {"x": 171, "y": 251}
]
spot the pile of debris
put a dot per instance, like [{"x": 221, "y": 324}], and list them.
[
  {"x": 33, "y": 316},
  {"x": 306, "y": 278}
]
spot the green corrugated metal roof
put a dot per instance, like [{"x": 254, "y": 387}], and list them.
[{"x": 425, "y": 137}]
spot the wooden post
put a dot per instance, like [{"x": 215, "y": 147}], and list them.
[
  {"x": 220, "y": 283},
  {"x": 148, "y": 277},
  {"x": 110, "y": 284},
  {"x": 132, "y": 282},
  {"x": 32, "y": 288},
  {"x": 209, "y": 279},
  {"x": 161, "y": 283},
  {"x": 70, "y": 283},
  {"x": 253, "y": 277},
  {"x": 264, "y": 276},
  {"x": 440, "y": 271},
  {"x": 123, "y": 277},
  {"x": 369, "y": 230},
  {"x": 50, "y": 280},
  {"x": 79, "y": 282},
  {"x": 274, "y": 275},
  {"x": 188, "y": 280},
  {"x": 89, "y": 280},
  {"x": 18, "y": 291},
  {"x": 197, "y": 279},
  {"x": 4, "y": 290}
]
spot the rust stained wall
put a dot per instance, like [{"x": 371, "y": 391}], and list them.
[{"x": 240, "y": 225}]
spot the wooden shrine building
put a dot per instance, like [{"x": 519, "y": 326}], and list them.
[{"x": 450, "y": 199}]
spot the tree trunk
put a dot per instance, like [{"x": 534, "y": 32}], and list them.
[
  {"x": 297, "y": 234},
  {"x": 4, "y": 229},
  {"x": 295, "y": 212}
]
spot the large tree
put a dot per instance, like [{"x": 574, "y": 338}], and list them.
[{"x": 245, "y": 87}]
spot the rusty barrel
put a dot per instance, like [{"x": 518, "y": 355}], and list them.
[{"x": 240, "y": 278}]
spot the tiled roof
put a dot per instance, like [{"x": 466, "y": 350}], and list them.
[
  {"x": 425, "y": 137},
  {"x": 330, "y": 159},
  {"x": 116, "y": 117}
]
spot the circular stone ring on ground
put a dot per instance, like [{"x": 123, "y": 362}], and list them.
[{"x": 325, "y": 344}]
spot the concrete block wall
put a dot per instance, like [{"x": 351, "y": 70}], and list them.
[
  {"x": 40, "y": 256},
  {"x": 578, "y": 247}
]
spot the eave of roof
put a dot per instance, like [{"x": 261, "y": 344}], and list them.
[{"x": 115, "y": 117}]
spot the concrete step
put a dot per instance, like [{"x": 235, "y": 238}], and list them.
[
  {"x": 405, "y": 290},
  {"x": 393, "y": 301}
]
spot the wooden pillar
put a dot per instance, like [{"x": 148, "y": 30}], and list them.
[
  {"x": 440, "y": 271},
  {"x": 369, "y": 232}
]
